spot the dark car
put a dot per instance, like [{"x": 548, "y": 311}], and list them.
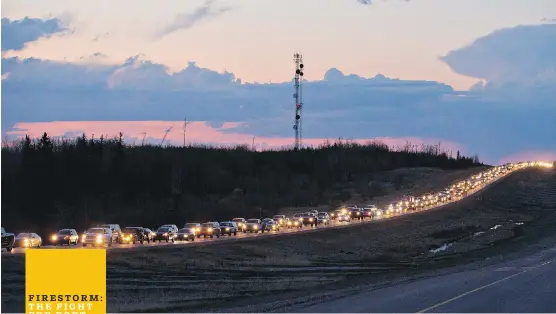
[
  {"x": 135, "y": 234},
  {"x": 267, "y": 220},
  {"x": 165, "y": 234},
  {"x": 293, "y": 223},
  {"x": 209, "y": 229},
  {"x": 355, "y": 213},
  {"x": 193, "y": 225},
  {"x": 308, "y": 219},
  {"x": 228, "y": 227},
  {"x": 65, "y": 236},
  {"x": 186, "y": 234},
  {"x": 271, "y": 226},
  {"x": 241, "y": 224},
  {"x": 8, "y": 240},
  {"x": 281, "y": 219}
]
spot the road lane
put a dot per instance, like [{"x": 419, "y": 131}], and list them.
[
  {"x": 522, "y": 285},
  {"x": 241, "y": 236}
]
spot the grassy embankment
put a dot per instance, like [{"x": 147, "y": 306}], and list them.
[{"x": 291, "y": 267}]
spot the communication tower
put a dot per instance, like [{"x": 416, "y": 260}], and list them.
[{"x": 298, "y": 95}]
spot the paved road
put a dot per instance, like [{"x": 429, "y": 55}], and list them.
[
  {"x": 524, "y": 285},
  {"x": 246, "y": 236}
]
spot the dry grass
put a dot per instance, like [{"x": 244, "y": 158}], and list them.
[{"x": 197, "y": 278}]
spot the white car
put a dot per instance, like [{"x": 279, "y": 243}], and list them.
[
  {"x": 344, "y": 217},
  {"x": 323, "y": 218},
  {"x": 97, "y": 237},
  {"x": 253, "y": 225}
]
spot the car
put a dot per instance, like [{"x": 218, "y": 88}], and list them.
[
  {"x": 193, "y": 225},
  {"x": 116, "y": 231},
  {"x": 294, "y": 223},
  {"x": 271, "y": 226},
  {"x": 98, "y": 236},
  {"x": 228, "y": 227},
  {"x": 344, "y": 218},
  {"x": 8, "y": 240},
  {"x": 150, "y": 234},
  {"x": 209, "y": 229},
  {"x": 165, "y": 234},
  {"x": 28, "y": 240},
  {"x": 335, "y": 214},
  {"x": 241, "y": 223},
  {"x": 135, "y": 234},
  {"x": 323, "y": 218},
  {"x": 186, "y": 234},
  {"x": 297, "y": 216},
  {"x": 281, "y": 219},
  {"x": 367, "y": 212},
  {"x": 314, "y": 212},
  {"x": 174, "y": 227},
  {"x": 308, "y": 219},
  {"x": 355, "y": 213},
  {"x": 65, "y": 236},
  {"x": 253, "y": 225}
]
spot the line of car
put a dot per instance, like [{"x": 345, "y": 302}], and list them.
[{"x": 109, "y": 234}]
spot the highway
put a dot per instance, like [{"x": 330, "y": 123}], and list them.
[
  {"x": 248, "y": 236},
  {"x": 523, "y": 285}
]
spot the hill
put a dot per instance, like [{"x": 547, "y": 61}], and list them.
[{"x": 49, "y": 184}]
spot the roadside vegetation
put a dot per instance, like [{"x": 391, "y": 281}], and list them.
[
  {"x": 270, "y": 274},
  {"x": 52, "y": 183}
]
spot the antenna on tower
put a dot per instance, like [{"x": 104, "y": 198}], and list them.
[
  {"x": 166, "y": 134},
  {"x": 299, "y": 67},
  {"x": 185, "y": 123}
]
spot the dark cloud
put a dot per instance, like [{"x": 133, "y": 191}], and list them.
[
  {"x": 16, "y": 33},
  {"x": 518, "y": 56},
  {"x": 187, "y": 20}
]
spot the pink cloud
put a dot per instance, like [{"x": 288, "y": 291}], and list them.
[
  {"x": 529, "y": 156},
  {"x": 198, "y": 132}
]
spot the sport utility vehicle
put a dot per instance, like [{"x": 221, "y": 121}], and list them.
[
  {"x": 116, "y": 231},
  {"x": 210, "y": 229}
]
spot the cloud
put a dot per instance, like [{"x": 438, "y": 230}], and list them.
[
  {"x": 16, "y": 33},
  {"x": 96, "y": 55},
  {"x": 188, "y": 20},
  {"x": 518, "y": 56},
  {"x": 485, "y": 120}
]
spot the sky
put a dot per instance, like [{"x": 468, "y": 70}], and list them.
[{"x": 475, "y": 75}]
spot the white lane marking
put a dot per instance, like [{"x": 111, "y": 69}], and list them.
[{"x": 481, "y": 288}]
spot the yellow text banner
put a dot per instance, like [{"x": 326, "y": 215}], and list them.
[{"x": 60, "y": 281}]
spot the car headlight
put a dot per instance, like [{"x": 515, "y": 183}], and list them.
[
  {"x": 358, "y": 214},
  {"x": 227, "y": 229},
  {"x": 54, "y": 238},
  {"x": 255, "y": 227},
  {"x": 25, "y": 242},
  {"x": 165, "y": 234},
  {"x": 99, "y": 239},
  {"x": 310, "y": 219}
]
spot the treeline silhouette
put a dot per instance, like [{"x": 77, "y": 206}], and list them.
[{"x": 49, "y": 183}]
